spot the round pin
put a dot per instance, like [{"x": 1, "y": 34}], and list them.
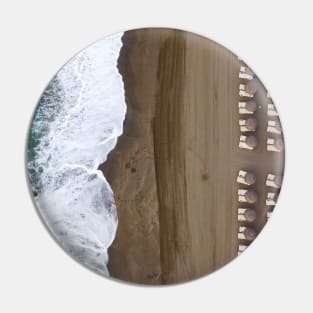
[{"x": 155, "y": 156}]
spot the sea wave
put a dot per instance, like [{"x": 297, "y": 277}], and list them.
[{"x": 76, "y": 124}]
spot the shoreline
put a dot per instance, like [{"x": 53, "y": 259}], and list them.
[{"x": 135, "y": 254}]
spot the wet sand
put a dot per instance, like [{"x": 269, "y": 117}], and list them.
[{"x": 173, "y": 171}]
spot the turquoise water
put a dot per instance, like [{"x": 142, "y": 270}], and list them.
[
  {"x": 51, "y": 99},
  {"x": 49, "y": 105}
]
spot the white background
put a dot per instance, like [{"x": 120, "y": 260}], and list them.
[{"x": 275, "y": 38}]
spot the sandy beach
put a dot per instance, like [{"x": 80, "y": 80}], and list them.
[{"x": 173, "y": 171}]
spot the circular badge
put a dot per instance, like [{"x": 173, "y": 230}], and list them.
[{"x": 155, "y": 156}]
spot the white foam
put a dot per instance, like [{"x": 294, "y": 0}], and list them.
[{"x": 78, "y": 126}]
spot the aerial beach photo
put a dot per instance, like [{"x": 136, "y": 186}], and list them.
[{"x": 155, "y": 156}]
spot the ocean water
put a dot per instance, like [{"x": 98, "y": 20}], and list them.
[{"x": 76, "y": 124}]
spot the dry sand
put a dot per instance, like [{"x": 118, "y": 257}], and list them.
[{"x": 174, "y": 169}]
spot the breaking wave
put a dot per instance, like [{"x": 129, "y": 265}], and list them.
[{"x": 76, "y": 124}]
